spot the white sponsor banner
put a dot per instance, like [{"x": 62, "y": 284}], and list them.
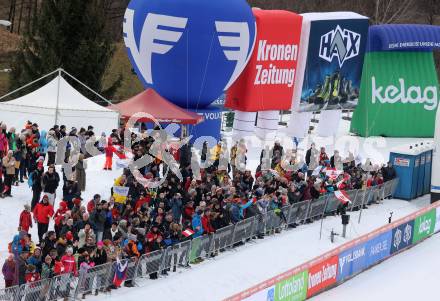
[{"x": 121, "y": 190}]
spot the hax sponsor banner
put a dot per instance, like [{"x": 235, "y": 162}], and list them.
[
  {"x": 424, "y": 225},
  {"x": 333, "y": 68},
  {"x": 293, "y": 288},
  {"x": 352, "y": 261},
  {"x": 378, "y": 248},
  {"x": 267, "y": 83},
  {"x": 322, "y": 275},
  {"x": 402, "y": 236}
]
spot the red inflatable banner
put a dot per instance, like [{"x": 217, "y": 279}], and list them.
[{"x": 267, "y": 83}]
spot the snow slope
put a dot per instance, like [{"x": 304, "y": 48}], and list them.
[
  {"x": 241, "y": 268},
  {"x": 412, "y": 275}
]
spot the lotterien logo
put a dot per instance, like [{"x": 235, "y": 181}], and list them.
[
  {"x": 339, "y": 43},
  {"x": 427, "y": 96}
]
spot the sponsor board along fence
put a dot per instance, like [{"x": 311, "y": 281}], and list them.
[{"x": 340, "y": 264}]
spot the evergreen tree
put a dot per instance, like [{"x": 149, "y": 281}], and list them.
[{"x": 70, "y": 34}]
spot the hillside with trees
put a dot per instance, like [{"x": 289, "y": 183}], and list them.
[{"x": 85, "y": 37}]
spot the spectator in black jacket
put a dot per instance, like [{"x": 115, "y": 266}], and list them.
[
  {"x": 97, "y": 219},
  {"x": 388, "y": 172},
  {"x": 36, "y": 179},
  {"x": 100, "y": 254},
  {"x": 51, "y": 180}
]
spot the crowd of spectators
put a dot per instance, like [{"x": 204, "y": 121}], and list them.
[{"x": 137, "y": 220}]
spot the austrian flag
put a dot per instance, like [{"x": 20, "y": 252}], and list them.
[
  {"x": 342, "y": 196},
  {"x": 188, "y": 232}
]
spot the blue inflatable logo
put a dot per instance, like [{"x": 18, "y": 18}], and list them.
[{"x": 189, "y": 51}]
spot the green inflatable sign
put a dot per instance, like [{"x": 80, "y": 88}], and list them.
[
  {"x": 399, "y": 95},
  {"x": 293, "y": 288}
]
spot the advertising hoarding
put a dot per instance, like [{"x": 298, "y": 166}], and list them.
[
  {"x": 322, "y": 275},
  {"x": 293, "y": 288},
  {"x": 352, "y": 261},
  {"x": 398, "y": 86},
  {"x": 424, "y": 225},
  {"x": 331, "y": 77},
  {"x": 378, "y": 248},
  {"x": 402, "y": 236},
  {"x": 267, "y": 82}
]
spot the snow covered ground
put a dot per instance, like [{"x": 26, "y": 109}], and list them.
[{"x": 412, "y": 275}]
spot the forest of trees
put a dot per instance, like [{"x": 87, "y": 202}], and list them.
[
  {"x": 33, "y": 19},
  {"x": 20, "y": 12}
]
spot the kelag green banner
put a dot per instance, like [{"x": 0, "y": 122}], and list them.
[
  {"x": 293, "y": 288},
  {"x": 399, "y": 95},
  {"x": 424, "y": 225}
]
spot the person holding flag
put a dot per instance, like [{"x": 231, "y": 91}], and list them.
[{"x": 120, "y": 272}]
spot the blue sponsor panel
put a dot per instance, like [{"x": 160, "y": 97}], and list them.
[
  {"x": 334, "y": 64},
  {"x": 378, "y": 248},
  {"x": 352, "y": 261},
  {"x": 189, "y": 51},
  {"x": 210, "y": 127},
  {"x": 402, "y": 236}
]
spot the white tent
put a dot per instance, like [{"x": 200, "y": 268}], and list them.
[{"x": 57, "y": 102}]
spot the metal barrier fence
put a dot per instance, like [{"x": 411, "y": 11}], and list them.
[{"x": 100, "y": 278}]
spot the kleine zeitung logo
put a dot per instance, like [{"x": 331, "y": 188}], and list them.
[
  {"x": 339, "y": 43},
  {"x": 411, "y": 94}
]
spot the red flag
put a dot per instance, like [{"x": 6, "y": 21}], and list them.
[
  {"x": 188, "y": 232},
  {"x": 120, "y": 273},
  {"x": 342, "y": 196}
]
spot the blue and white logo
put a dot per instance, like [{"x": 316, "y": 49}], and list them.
[
  {"x": 339, "y": 43},
  {"x": 189, "y": 51}
]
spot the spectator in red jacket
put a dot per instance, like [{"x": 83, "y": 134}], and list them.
[
  {"x": 43, "y": 212},
  {"x": 141, "y": 201},
  {"x": 25, "y": 219},
  {"x": 93, "y": 202},
  {"x": 109, "y": 149},
  {"x": 188, "y": 212},
  {"x": 31, "y": 274},
  {"x": 206, "y": 222},
  {"x": 68, "y": 261}
]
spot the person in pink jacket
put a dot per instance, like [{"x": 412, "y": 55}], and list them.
[{"x": 3, "y": 141}]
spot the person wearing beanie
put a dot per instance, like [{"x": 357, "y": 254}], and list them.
[
  {"x": 52, "y": 141},
  {"x": 43, "y": 212},
  {"x": 25, "y": 221},
  {"x": 68, "y": 261}
]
